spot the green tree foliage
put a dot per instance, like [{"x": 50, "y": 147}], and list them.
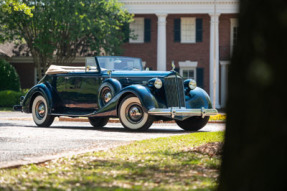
[
  {"x": 61, "y": 29},
  {"x": 255, "y": 150},
  {"x": 15, "y": 5},
  {"x": 9, "y": 79},
  {"x": 6, "y": 7}
]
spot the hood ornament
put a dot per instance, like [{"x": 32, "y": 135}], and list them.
[
  {"x": 172, "y": 65},
  {"x": 109, "y": 73}
]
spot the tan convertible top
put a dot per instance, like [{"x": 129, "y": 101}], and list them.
[{"x": 53, "y": 69}]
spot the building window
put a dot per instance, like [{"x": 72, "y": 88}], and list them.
[
  {"x": 137, "y": 29},
  {"x": 234, "y": 33},
  {"x": 188, "y": 73},
  {"x": 188, "y": 69},
  {"x": 235, "y": 36},
  {"x": 187, "y": 30}
]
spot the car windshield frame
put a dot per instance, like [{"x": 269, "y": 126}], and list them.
[{"x": 119, "y": 63}]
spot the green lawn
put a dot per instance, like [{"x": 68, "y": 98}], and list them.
[{"x": 155, "y": 164}]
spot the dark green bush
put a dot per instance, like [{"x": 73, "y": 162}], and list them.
[
  {"x": 8, "y": 98},
  {"x": 9, "y": 79}
]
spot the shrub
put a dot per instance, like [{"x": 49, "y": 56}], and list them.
[
  {"x": 8, "y": 98},
  {"x": 9, "y": 79}
]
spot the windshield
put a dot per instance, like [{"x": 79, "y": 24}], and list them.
[{"x": 119, "y": 63}]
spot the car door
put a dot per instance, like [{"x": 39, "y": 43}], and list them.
[
  {"x": 87, "y": 88},
  {"x": 78, "y": 91}
]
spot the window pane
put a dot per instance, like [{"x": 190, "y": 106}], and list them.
[
  {"x": 137, "y": 28},
  {"x": 185, "y": 73},
  {"x": 188, "y": 29},
  {"x": 188, "y": 74},
  {"x": 191, "y": 74}
]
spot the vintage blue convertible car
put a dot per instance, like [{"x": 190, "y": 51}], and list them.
[{"x": 111, "y": 86}]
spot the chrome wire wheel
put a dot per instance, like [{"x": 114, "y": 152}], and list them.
[
  {"x": 40, "y": 112},
  {"x": 133, "y": 116}
]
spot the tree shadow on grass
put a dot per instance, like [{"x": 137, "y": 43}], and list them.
[{"x": 175, "y": 172}]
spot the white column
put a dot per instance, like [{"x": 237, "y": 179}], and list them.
[
  {"x": 214, "y": 58},
  {"x": 161, "y": 42}
]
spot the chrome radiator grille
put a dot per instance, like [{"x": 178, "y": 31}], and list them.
[{"x": 174, "y": 91}]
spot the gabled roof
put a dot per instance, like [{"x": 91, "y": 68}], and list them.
[
  {"x": 6, "y": 49},
  {"x": 12, "y": 49}
]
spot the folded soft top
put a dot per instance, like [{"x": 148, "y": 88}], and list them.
[{"x": 54, "y": 69}]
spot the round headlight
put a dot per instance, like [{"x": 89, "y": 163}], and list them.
[
  {"x": 192, "y": 84},
  {"x": 158, "y": 83}
]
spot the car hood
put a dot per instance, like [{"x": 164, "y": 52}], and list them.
[{"x": 145, "y": 74}]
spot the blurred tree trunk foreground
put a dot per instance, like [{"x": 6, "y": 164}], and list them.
[{"x": 255, "y": 150}]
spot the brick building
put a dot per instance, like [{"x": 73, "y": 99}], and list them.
[{"x": 195, "y": 35}]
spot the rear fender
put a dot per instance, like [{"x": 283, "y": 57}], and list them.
[
  {"x": 115, "y": 83},
  {"x": 43, "y": 89}
]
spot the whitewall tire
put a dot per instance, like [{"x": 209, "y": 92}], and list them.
[
  {"x": 132, "y": 115},
  {"x": 40, "y": 112}
]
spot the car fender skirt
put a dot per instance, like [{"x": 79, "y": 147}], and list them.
[{"x": 42, "y": 89}]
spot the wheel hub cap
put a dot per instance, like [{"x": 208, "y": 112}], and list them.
[
  {"x": 107, "y": 97},
  {"x": 41, "y": 110},
  {"x": 135, "y": 113}
]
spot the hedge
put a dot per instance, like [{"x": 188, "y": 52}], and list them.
[
  {"x": 9, "y": 98},
  {"x": 9, "y": 78}
]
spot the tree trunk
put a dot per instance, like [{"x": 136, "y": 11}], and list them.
[{"x": 255, "y": 150}]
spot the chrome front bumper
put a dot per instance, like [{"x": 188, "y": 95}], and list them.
[{"x": 183, "y": 112}]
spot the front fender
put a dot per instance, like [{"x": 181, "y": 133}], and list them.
[
  {"x": 143, "y": 93},
  {"x": 147, "y": 99},
  {"x": 197, "y": 98},
  {"x": 43, "y": 89}
]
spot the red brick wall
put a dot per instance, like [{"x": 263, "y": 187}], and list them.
[
  {"x": 177, "y": 51},
  {"x": 147, "y": 51},
  {"x": 198, "y": 51}
]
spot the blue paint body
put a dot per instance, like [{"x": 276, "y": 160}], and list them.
[{"x": 77, "y": 94}]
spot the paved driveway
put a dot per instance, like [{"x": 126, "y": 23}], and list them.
[{"x": 21, "y": 142}]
